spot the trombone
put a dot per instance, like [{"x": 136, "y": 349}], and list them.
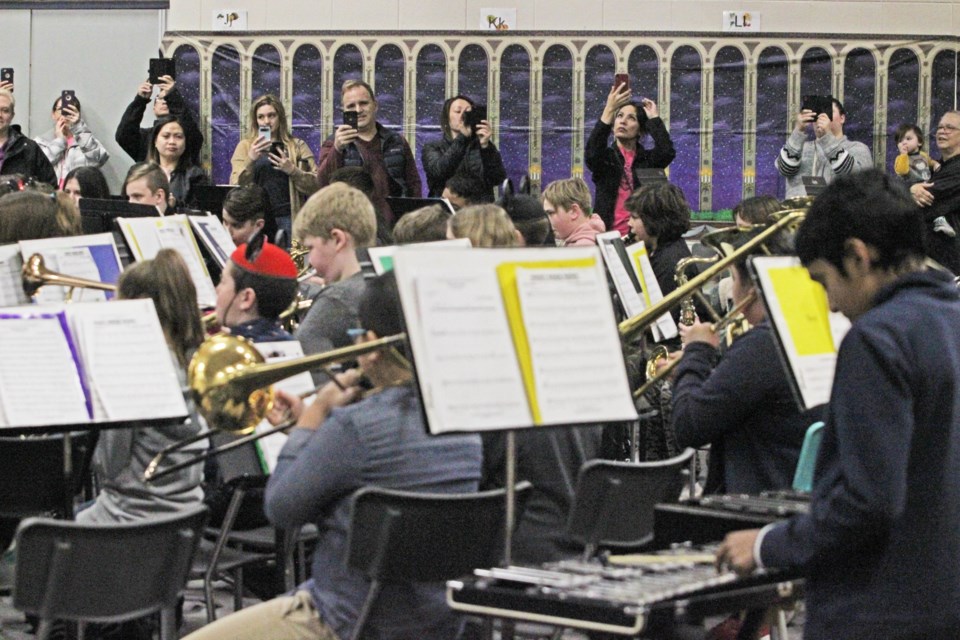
[
  {"x": 36, "y": 275},
  {"x": 230, "y": 383}
]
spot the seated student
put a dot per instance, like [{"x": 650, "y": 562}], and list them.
[
  {"x": 243, "y": 212},
  {"x": 333, "y": 224},
  {"x": 567, "y": 204},
  {"x": 146, "y": 183},
  {"x": 32, "y": 215},
  {"x": 755, "y": 210},
  {"x": 426, "y": 224},
  {"x": 256, "y": 286},
  {"x": 137, "y": 141},
  {"x": 70, "y": 144},
  {"x": 879, "y": 546},
  {"x": 743, "y": 406},
  {"x": 122, "y": 455},
  {"x": 530, "y": 219},
  {"x": 659, "y": 216},
  {"x": 335, "y": 450},
  {"x": 464, "y": 189},
  {"x": 86, "y": 182},
  {"x": 486, "y": 225},
  {"x": 21, "y": 155}
]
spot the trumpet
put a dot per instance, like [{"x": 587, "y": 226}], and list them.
[
  {"x": 36, "y": 275},
  {"x": 230, "y": 383}
]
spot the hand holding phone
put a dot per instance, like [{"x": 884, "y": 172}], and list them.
[
  {"x": 68, "y": 98},
  {"x": 350, "y": 118},
  {"x": 160, "y": 67},
  {"x": 621, "y": 81},
  {"x": 264, "y": 132},
  {"x": 476, "y": 115},
  {"x": 6, "y": 75}
]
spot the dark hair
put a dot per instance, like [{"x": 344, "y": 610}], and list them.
[
  {"x": 470, "y": 187},
  {"x": 529, "y": 218},
  {"x": 166, "y": 280},
  {"x": 379, "y": 309},
  {"x": 905, "y": 128},
  {"x": 871, "y": 206},
  {"x": 184, "y": 162},
  {"x": 426, "y": 224},
  {"x": 76, "y": 103},
  {"x": 91, "y": 181},
  {"x": 663, "y": 209},
  {"x": 641, "y": 117},
  {"x": 274, "y": 295},
  {"x": 31, "y": 215},
  {"x": 757, "y": 210},
  {"x": 246, "y": 203},
  {"x": 357, "y": 177},
  {"x": 840, "y": 110},
  {"x": 445, "y": 114},
  {"x": 16, "y": 182}
]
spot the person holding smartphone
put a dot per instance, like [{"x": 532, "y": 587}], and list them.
[
  {"x": 828, "y": 154},
  {"x": 465, "y": 148},
  {"x": 271, "y": 157},
  {"x": 615, "y": 167},
  {"x": 70, "y": 144},
  {"x": 136, "y": 141}
]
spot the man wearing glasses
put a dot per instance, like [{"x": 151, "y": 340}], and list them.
[
  {"x": 828, "y": 155},
  {"x": 135, "y": 140},
  {"x": 941, "y": 197}
]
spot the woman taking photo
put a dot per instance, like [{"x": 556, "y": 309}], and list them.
[
  {"x": 283, "y": 165},
  {"x": 615, "y": 167},
  {"x": 464, "y": 148},
  {"x": 168, "y": 151}
]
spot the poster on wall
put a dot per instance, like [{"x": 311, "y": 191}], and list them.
[
  {"x": 498, "y": 19},
  {"x": 229, "y": 20}
]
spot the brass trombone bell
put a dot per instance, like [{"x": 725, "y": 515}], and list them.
[{"x": 36, "y": 275}]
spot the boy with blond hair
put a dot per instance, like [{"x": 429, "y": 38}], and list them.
[{"x": 568, "y": 206}]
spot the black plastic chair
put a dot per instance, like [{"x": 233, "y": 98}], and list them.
[
  {"x": 614, "y": 502},
  {"x": 401, "y": 536},
  {"x": 104, "y": 572},
  {"x": 32, "y": 474}
]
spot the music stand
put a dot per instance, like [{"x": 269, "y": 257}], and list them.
[
  {"x": 210, "y": 197},
  {"x": 100, "y": 216}
]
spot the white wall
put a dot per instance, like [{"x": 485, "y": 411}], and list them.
[
  {"x": 915, "y": 17},
  {"x": 102, "y": 55}
]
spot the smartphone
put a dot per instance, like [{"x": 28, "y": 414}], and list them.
[
  {"x": 6, "y": 75},
  {"x": 68, "y": 98},
  {"x": 477, "y": 114},
  {"x": 350, "y": 118},
  {"x": 622, "y": 79},
  {"x": 264, "y": 132},
  {"x": 160, "y": 67},
  {"x": 277, "y": 148},
  {"x": 818, "y": 104}
]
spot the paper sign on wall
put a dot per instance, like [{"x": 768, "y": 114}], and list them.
[
  {"x": 229, "y": 20},
  {"x": 498, "y": 19}
]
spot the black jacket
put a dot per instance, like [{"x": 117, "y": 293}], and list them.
[
  {"x": 25, "y": 157},
  {"x": 444, "y": 158},
  {"x": 136, "y": 140},
  {"x": 606, "y": 163}
]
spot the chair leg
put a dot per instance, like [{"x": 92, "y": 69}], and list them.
[
  {"x": 358, "y": 629},
  {"x": 81, "y": 630},
  {"x": 238, "y": 589},
  {"x": 44, "y": 629},
  {"x": 208, "y": 598},
  {"x": 168, "y": 623}
]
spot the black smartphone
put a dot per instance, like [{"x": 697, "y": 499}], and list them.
[
  {"x": 6, "y": 75},
  {"x": 160, "y": 67},
  {"x": 622, "y": 79},
  {"x": 277, "y": 148},
  {"x": 477, "y": 113},
  {"x": 68, "y": 98},
  {"x": 818, "y": 104},
  {"x": 350, "y": 118}
]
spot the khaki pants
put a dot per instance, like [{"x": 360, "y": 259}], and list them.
[{"x": 284, "y": 618}]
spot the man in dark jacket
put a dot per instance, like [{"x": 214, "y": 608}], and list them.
[
  {"x": 18, "y": 153},
  {"x": 136, "y": 141}
]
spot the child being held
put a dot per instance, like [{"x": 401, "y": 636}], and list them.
[{"x": 915, "y": 166}]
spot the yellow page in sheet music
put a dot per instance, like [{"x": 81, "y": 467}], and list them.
[{"x": 805, "y": 309}]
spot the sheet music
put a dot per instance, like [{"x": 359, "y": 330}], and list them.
[
  {"x": 92, "y": 257},
  {"x": 575, "y": 380},
  {"x": 382, "y": 257},
  {"x": 809, "y": 334},
  {"x": 11, "y": 283},
  {"x": 146, "y": 236},
  {"x": 270, "y": 446},
  {"x": 630, "y": 298},
  {"x": 214, "y": 237},
  {"x": 39, "y": 377},
  {"x": 664, "y": 328},
  {"x": 474, "y": 381},
  {"x": 127, "y": 360}
]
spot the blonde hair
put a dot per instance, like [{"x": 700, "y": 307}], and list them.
[
  {"x": 487, "y": 225},
  {"x": 353, "y": 83},
  {"x": 337, "y": 206},
  {"x": 6, "y": 93},
  {"x": 425, "y": 224},
  {"x": 566, "y": 193}
]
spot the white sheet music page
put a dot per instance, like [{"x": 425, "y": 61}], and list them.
[
  {"x": 575, "y": 350},
  {"x": 466, "y": 364},
  {"x": 127, "y": 360},
  {"x": 630, "y": 299},
  {"x": 11, "y": 283},
  {"x": 91, "y": 257},
  {"x": 271, "y": 445},
  {"x": 40, "y": 381}
]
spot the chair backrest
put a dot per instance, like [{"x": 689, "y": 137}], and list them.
[
  {"x": 427, "y": 537},
  {"x": 614, "y": 502},
  {"x": 32, "y": 474},
  {"x": 103, "y": 573},
  {"x": 803, "y": 477}
]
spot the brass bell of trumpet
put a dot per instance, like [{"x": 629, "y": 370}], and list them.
[{"x": 35, "y": 275}]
